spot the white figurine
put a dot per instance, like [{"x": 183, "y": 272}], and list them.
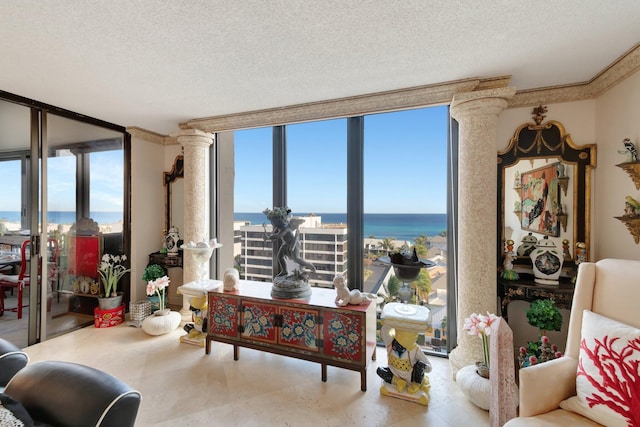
[
  {"x": 231, "y": 279},
  {"x": 345, "y": 296}
]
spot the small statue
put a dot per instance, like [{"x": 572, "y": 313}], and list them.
[
  {"x": 630, "y": 150},
  {"x": 231, "y": 279},
  {"x": 345, "y": 296},
  {"x": 286, "y": 229},
  {"x": 288, "y": 284},
  {"x": 631, "y": 206},
  {"x": 407, "y": 363},
  {"x": 508, "y": 272},
  {"x": 197, "y": 331}
]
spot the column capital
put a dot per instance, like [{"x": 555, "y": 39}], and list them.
[
  {"x": 482, "y": 102},
  {"x": 194, "y": 138}
]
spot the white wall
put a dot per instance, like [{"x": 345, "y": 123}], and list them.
[
  {"x": 617, "y": 117},
  {"x": 147, "y": 209}
]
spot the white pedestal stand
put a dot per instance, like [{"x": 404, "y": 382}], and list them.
[{"x": 195, "y": 289}]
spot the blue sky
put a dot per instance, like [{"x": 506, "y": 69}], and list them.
[
  {"x": 405, "y": 164},
  {"x": 405, "y": 168},
  {"x": 106, "y": 183}
]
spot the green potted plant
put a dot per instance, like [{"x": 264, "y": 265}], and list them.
[
  {"x": 544, "y": 315},
  {"x": 111, "y": 269},
  {"x": 151, "y": 273}
]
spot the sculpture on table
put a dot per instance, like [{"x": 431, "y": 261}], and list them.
[
  {"x": 345, "y": 296},
  {"x": 231, "y": 279},
  {"x": 289, "y": 282}
]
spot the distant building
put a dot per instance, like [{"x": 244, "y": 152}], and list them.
[{"x": 325, "y": 246}]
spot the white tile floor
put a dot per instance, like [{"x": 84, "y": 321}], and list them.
[{"x": 182, "y": 386}]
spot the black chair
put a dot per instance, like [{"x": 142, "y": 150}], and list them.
[
  {"x": 12, "y": 359},
  {"x": 74, "y": 395}
]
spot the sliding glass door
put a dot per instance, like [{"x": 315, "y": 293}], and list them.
[{"x": 67, "y": 197}]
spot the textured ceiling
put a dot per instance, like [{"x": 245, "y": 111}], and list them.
[{"x": 154, "y": 64}]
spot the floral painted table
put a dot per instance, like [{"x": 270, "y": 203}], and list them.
[{"x": 314, "y": 329}]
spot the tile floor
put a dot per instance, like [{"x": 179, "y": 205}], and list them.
[{"x": 182, "y": 386}]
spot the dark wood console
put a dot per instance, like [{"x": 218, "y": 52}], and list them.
[{"x": 527, "y": 290}]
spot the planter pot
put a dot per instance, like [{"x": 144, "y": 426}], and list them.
[
  {"x": 162, "y": 322},
  {"x": 110, "y": 302}
]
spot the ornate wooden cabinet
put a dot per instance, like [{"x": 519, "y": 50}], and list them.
[{"x": 315, "y": 330}]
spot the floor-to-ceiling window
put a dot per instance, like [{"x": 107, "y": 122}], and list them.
[{"x": 404, "y": 194}]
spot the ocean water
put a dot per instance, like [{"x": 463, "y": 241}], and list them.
[
  {"x": 401, "y": 226},
  {"x": 66, "y": 217}
]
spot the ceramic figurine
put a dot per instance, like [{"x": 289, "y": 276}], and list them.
[
  {"x": 345, "y": 296},
  {"x": 508, "y": 272},
  {"x": 528, "y": 244},
  {"x": 231, "y": 279},
  {"x": 547, "y": 261},
  {"x": 406, "y": 376},
  {"x": 630, "y": 150},
  {"x": 171, "y": 241}
]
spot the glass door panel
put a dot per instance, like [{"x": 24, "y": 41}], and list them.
[
  {"x": 15, "y": 148},
  {"x": 85, "y": 185}
]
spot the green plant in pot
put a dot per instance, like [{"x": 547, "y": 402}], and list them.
[
  {"x": 151, "y": 273},
  {"x": 544, "y": 315},
  {"x": 111, "y": 270}
]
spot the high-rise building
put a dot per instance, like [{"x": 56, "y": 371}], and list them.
[{"x": 323, "y": 245}]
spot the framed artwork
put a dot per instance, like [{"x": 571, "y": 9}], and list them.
[{"x": 541, "y": 200}]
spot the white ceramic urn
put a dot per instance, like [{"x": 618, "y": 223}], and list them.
[{"x": 546, "y": 260}]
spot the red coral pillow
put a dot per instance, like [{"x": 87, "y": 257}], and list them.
[{"x": 608, "y": 377}]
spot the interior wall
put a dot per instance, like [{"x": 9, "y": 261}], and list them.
[
  {"x": 617, "y": 117},
  {"x": 147, "y": 208}
]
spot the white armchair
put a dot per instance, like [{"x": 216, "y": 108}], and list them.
[{"x": 610, "y": 288}]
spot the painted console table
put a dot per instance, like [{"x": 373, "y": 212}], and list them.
[{"x": 315, "y": 329}]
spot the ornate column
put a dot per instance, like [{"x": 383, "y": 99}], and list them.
[
  {"x": 196, "y": 145},
  {"x": 477, "y": 114}
]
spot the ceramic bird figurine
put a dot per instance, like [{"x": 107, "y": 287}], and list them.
[
  {"x": 631, "y": 150},
  {"x": 631, "y": 206}
]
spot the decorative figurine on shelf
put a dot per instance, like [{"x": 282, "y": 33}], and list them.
[
  {"x": 288, "y": 284},
  {"x": 630, "y": 150},
  {"x": 508, "y": 273},
  {"x": 172, "y": 241},
  {"x": 565, "y": 249},
  {"x": 528, "y": 245},
  {"x": 581, "y": 256},
  {"x": 405, "y": 377},
  {"x": 547, "y": 262},
  {"x": 231, "y": 279},
  {"x": 631, "y": 206},
  {"x": 345, "y": 296}
]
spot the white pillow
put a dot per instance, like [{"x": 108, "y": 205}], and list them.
[{"x": 609, "y": 360}]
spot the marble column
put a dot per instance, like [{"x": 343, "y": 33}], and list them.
[
  {"x": 195, "y": 145},
  {"x": 477, "y": 115}
]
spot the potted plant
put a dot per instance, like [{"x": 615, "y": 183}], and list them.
[
  {"x": 111, "y": 269},
  {"x": 151, "y": 273},
  {"x": 544, "y": 315}
]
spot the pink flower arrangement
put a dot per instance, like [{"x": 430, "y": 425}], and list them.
[
  {"x": 480, "y": 325},
  {"x": 538, "y": 352},
  {"x": 156, "y": 286}
]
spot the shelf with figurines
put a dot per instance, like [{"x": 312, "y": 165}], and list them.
[{"x": 631, "y": 217}]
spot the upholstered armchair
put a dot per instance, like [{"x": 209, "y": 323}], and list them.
[
  {"x": 68, "y": 394},
  {"x": 583, "y": 388},
  {"x": 12, "y": 359}
]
